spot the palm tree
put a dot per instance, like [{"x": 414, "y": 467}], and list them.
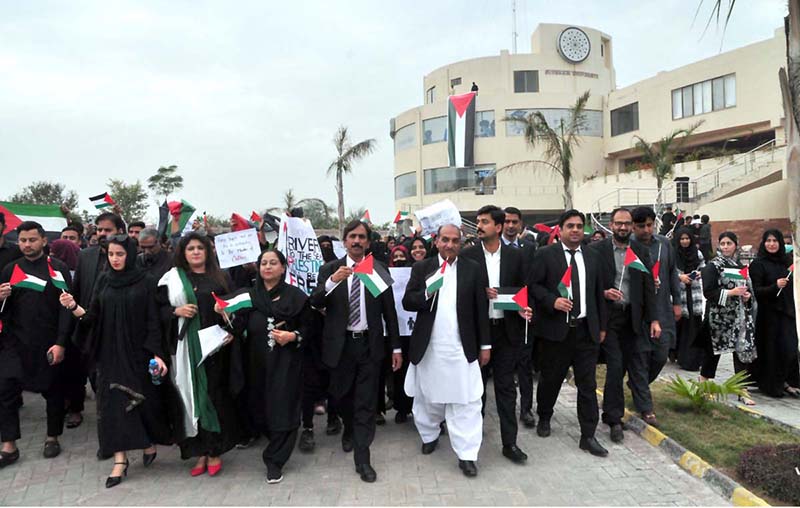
[
  {"x": 290, "y": 202},
  {"x": 660, "y": 154},
  {"x": 559, "y": 141},
  {"x": 347, "y": 154}
]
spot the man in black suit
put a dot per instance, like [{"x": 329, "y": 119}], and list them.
[
  {"x": 353, "y": 343},
  {"x": 571, "y": 324},
  {"x": 631, "y": 301},
  {"x": 449, "y": 343},
  {"x": 502, "y": 266}
]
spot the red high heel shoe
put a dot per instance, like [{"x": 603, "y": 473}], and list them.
[
  {"x": 213, "y": 470},
  {"x": 197, "y": 471}
]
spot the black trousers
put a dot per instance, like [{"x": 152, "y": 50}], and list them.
[
  {"x": 505, "y": 356},
  {"x": 74, "y": 378},
  {"x": 618, "y": 349},
  {"x": 316, "y": 380},
  {"x": 357, "y": 378},
  {"x": 11, "y": 401},
  {"x": 525, "y": 376},
  {"x": 402, "y": 402},
  {"x": 710, "y": 362},
  {"x": 580, "y": 351},
  {"x": 280, "y": 447}
]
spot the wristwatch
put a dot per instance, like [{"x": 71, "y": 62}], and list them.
[{"x": 298, "y": 337}]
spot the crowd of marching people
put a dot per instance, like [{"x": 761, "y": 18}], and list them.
[{"x": 128, "y": 310}]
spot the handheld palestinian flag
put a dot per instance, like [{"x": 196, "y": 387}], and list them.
[
  {"x": 461, "y": 130},
  {"x": 633, "y": 261},
  {"x": 239, "y": 223},
  {"x": 255, "y": 217},
  {"x": 511, "y": 299},
  {"x": 20, "y": 279},
  {"x": 736, "y": 273},
  {"x": 657, "y": 271},
  {"x": 102, "y": 201},
  {"x": 56, "y": 277},
  {"x": 401, "y": 216},
  {"x": 50, "y": 217},
  {"x": 374, "y": 277},
  {"x": 434, "y": 282},
  {"x": 232, "y": 303},
  {"x": 791, "y": 271},
  {"x": 565, "y": 286},
  {"x": 366, "y": 218},
  {"x": 182, "y": 211}
]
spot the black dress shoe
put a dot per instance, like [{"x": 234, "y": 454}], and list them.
[
  {"x": 617, "y": 435},
  {"x": 334, "y": 426},
  {"x": 74, "y": 420},
  {"x": 148, "y": 458},
  {"x": 468, "y": 467},
  {"x": 591, "y": 445},
  {"x": 428, "y": 448},
  {"x": 380, "y": 419},
  {"x": 400, "y": 417},
  {"x": 113, "y": 481},
  {"x": 366, "y": 473},
  {"x": 51, "y": 449},
  {"x": 347, "y": 444},
  {"x": 306, "y": 443},
  {"x": 528, "y": 419},
  {"x": 8, "y": 458},
  {"x": 513, "y": 453},
  {"x": 543, "y": 428},
  {"x": 443, "y": 428}
]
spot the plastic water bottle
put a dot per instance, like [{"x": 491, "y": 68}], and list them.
[{"x": 154, "y": 372}]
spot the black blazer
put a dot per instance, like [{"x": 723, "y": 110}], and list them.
[
  {"x": 472, "y": 307},
  {"x": 548, "y": 268},
  {"x": 512, "y": 274},
  {"x": 334, "y": 328},
  {"x": 89, "y": 260},
  {"x": 642, "y": 289}
]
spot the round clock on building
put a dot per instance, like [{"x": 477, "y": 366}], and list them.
[{"x": 574, "y": 45}]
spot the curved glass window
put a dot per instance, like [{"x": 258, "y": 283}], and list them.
[
  {"x": 484, "y": 124},
  {"x": 553, "y": 116},
  {"x": 405, "y": 186},
  {"x": 405, "y": 137},
  {"x": 434, "y": 130},
  {"x": 478, "y": 179}
]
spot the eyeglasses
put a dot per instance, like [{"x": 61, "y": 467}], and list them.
[{"x": 622, "y": 224}]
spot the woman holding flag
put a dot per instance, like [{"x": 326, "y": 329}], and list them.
[
  {"x": 121, "y": 333},
  {"x": 729, "y": 310},
  {"x": 208, "y": 423},
  {"x": 275, "y": 317},
  {"x": 776, "y": 330}
]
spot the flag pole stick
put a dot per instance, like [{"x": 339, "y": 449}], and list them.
[
  {"x": 779, "y": 290},
  {"x": 228, "y": 319},
  {"x": 526, "y": 332},
  {"x": 621, "y": 277},
  {"x": 4, "y": 305}
]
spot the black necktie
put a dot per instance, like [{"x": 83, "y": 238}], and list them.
[{"x": 576, "y": 285}]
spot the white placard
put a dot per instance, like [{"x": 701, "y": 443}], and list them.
[
  {"x": 237, "y": 248},
  {"x": 211, "y": 340},
  {"x": 405, "y": 319},
  {"x": 299, "y": 244},
  {"x": 438, "y": 214},
  {"x": 338, "y": 249}
]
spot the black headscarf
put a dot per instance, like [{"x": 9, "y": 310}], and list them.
[
  {"x": 131, "y": 273},
  {"x": 779, "y": 257},
  {"x": 283, "y": 302},
  {"x": 687, "y": 258}
]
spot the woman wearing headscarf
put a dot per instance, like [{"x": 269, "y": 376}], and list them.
[
  {"x": 689, "y": 262},
  {"x": 730, "y": 310},
  {"x": 122, "y": 335},
  {"x": 776, "y": 328},
  {"x": 400, "y": 257},
  {"x": 208, "y": 423},
  {"x": 276, "y": 327},
  {"x": 418, "y": 249},
  {"x": 67, "y": 252}
]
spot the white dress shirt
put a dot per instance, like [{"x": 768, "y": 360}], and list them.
[
  {"x": 493, "y": 269},
  {"x": 362, "y": 322},
  {"x": 581, "y": 275}
]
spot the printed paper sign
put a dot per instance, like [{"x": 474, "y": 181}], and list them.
[
  {"x": 438, "y": 214},
  {"x": 237, "y": 248}
]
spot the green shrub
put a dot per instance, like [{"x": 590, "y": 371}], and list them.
[
  {"x": 701, "y": 393},
  {"x": 773, "y": 469}
]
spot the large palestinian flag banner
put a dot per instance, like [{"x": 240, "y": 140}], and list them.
[
  {"x": 49, "y": 216},
  {"x": 461, "y": 130}
]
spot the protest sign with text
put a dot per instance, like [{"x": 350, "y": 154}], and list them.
[
  {"x": 237, "y": 248},
  {"x": 298, "y": 242}
]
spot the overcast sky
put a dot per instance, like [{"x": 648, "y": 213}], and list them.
[{"x": 245, "y": 96}]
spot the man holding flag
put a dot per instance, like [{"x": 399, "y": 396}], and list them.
[
  {"x": 503, "y": 267},
  {"x": 36, "y": 330},
  {"x": 566, "y": 288},
  {"x": 352, "y": 292}
]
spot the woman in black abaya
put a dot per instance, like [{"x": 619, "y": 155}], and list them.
[{"x": 689, "y": 262}]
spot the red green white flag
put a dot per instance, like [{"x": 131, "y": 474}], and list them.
[
  {"x": 511, "y": 299},
  {"x": 56, "y": 277},
  {"x": 366, "y": 218},
  {"x": 20, "y": 279},
  {"x": 633, "y": 261},
  {"x": 401, "y": 216},
  {"x": 50, "y": 217},
  {"x": 231, "y": 304},
  {"x": 374, "y": 277},
  {"x": 461, "y": 130},
  {"x": 182, "y": 211},
  {"x": 102, "y": 201},
  {"x": 736, "y": 273},
  {"x": 435, "y": 282},
  {"x": 565, "y": 286}
]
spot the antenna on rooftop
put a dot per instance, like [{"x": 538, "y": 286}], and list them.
[{"x": 514, "y": 26}]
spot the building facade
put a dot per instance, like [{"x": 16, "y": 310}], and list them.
[{"x": 735, "y": 154}]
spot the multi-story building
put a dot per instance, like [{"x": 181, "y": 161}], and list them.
[{"x": 731, "y": 167}]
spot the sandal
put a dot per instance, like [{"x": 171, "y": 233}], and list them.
[
  {"x": 792, "y": 391},
  {"x": 74, "y": 420},
  {"x": 746, "y": 400}
]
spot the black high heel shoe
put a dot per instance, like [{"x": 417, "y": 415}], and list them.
[
  {"x": 148, "y": 458},
  {"x": 113, "y": 481}
]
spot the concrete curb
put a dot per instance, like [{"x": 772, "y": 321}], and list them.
[{"x": 693, "y": 464}]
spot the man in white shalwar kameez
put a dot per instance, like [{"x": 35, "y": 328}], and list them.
[{"x": 444, "y": 376}]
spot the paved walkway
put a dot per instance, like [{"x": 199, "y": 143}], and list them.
[
  {"x": 785, "y": 409},
  {"x": 558, "y": 473}
]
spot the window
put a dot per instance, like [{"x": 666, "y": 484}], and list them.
[
  {"x": 704, "y": 97},
  {"x": 430, "y": 95},
  {"x": 405, "y": 186},
  {"x": 405, "y": 137},
  {"x": 593, "y": 120},
  {"x": 484, "y": 124},
  {"x": 480, "y": 179},
  {"x": 434, "y": 130},
  {"x": 455, "y": 82},
  {"x": 526, "y": 81},
  {"x": 625, "y": 119}
]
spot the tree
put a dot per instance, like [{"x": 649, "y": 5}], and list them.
[
  {"x": 319, "y": 213},
  {"x": 659, "y": 155},
  {"x": 558, "y": 142},
  {"x": 131, "y": 198},
  {"x": 46, "y": 193},
  {"x": 165, "y": 182},
  {"x": 346, "y": 154}
]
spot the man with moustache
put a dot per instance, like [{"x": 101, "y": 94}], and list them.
[
  {"x": 71, "y": 233},
  {"x": 353, "y": 343},
  {"x": 449, "y": 344},
  {"x": 153, "y": 258}
]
